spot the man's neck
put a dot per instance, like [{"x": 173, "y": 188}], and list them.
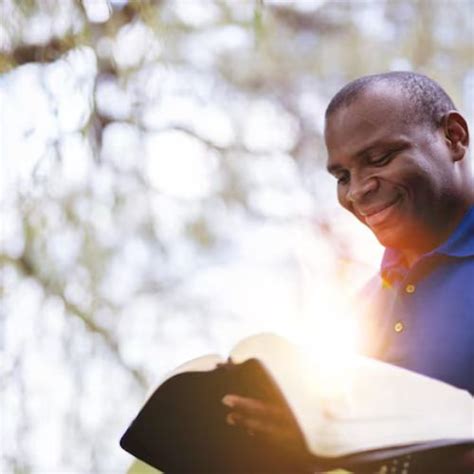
[{"x": 429, "y": 243}]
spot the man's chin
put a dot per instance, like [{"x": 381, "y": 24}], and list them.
[{"x": 389, "y": 238}]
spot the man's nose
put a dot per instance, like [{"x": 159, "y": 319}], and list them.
[{"x": 360, "y": 187}]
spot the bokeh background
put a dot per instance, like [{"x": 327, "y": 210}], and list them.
[{"x": 163, "y": 193}]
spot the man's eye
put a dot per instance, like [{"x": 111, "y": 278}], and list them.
[
  {"x": 343, "y": 178},
  {"x": 382, "y": 159}
]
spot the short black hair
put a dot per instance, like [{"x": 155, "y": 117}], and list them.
[{"x": 428, "y": 100}]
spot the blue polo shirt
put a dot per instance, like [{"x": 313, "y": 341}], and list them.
[{"x": 422, "y": 318}]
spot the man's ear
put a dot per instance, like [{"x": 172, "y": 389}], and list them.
[{"x": 456, "y": 133}]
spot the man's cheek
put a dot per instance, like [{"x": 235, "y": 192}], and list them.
[{"x": 341, "y": 197}]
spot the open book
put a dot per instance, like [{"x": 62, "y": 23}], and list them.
[{"x": 360, "y": 412}]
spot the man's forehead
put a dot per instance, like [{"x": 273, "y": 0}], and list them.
[
  {"x": 373, "y": 109},
  {"x": 378, "y": 100},
  {"x": 377, "y": 115}
]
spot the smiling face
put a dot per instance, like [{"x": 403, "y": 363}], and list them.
[{"x": 396, "y": 177}]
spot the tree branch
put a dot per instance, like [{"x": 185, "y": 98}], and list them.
[{"x": 28, "y": 268}]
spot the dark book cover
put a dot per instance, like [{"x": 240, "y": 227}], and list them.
[{"x": 182, "y": 428}]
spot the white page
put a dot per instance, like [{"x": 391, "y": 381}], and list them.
[{"x": 371, "y": 404}]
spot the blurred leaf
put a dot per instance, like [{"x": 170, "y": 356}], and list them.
[
  {"x": 200, "y": 232},
  {"x": 139, "y": 467},
  {"x": 27, "y": 7},
  {"x": 258, "y": 21}
]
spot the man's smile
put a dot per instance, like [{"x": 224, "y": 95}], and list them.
[{"x": 379, "y": 214}]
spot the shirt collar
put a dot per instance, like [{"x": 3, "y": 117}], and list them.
[
  {"x": 459, "y": 244},
  {"x": 461, "y": 241},
  {"x": 393, "y": 267}
]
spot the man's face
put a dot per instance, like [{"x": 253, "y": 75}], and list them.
[{"x": 395, "y": 176}]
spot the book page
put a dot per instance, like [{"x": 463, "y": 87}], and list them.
[
  {"x": 389, "y": 406},
  {"x": 362, "y": 404},
  {"x": 297, "y": 378}
]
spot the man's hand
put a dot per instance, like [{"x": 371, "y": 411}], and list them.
[
  {"x": 259, "y": 418},
  {"x": 270, "y": 422}
]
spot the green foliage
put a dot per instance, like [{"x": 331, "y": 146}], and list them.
[
  {"x": 258, "y": 25},
  {"x": 139, "y": 467}
]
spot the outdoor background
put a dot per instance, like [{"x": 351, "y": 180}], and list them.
[{"x": 163, "y": 194}]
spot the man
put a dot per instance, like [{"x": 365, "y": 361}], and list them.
[{"x": 399, "y": 151}]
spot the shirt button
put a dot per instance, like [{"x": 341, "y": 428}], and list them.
[
  {"x": 410, "y": 288},
  {"x": 398, "y": 327}
]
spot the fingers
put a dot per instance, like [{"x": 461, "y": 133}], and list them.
[
  {"x": 251, "y": 407},
  {"x": 243, "y": 404},
  {"x": 249, "y": 414},
  {"x": 252, "y": 425},
  {"x": 257, "y": 417},
  {"x": 269, "y": 422}
]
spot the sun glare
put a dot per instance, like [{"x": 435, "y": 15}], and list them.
[
  {"x": 330, "y": 336},
  {"x": 327, "y": 328},
  {"x": 329, "y": 341}
]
